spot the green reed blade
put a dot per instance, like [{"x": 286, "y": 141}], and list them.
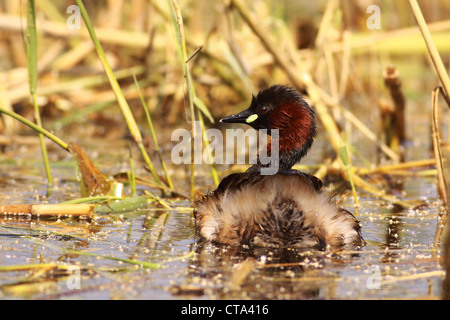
[
  {"x": 152, "y": 130},
  {"x": 214, "y": 174},
  {"x": 131, "y": 175},
  {"x": 32, "y": 60},
  {"x": 34, "y": 126},
  {"x": 177, "y": 22},
  {"x": 346, "y": 160},
  {"x": 31, "y": 46},
  {"x": 123, "y": 104}
]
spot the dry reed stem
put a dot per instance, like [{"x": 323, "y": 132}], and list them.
[
  {"x": 416, "y": 276},
  {"x": 442, "y": 183},
  {"x": 40, "y": 210},
  {"x": 398, "y": 166},
  {"x": 133, "y": 39},
  {"x": 392, "y": 41},
  {"x": 15, "y": 95},
  {"x": 325, "y": 22},
  {"x": 279, "y": 60},
  {"x": 345, "y": 63},
  {"x": 440, "y": 166},
  {"x": 433, "y": 52}
]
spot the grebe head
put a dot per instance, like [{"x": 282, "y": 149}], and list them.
[{"x": 283, "y": 108}]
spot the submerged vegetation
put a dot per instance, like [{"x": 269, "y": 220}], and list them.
[{"x": 134, "y": 72}]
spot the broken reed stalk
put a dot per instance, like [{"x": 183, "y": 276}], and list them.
[
  {"x": 394, "y": 120},
  {"x": 32, "y": 61},
  {"x": 124, "y": 107},
  {"x": 152, "y": 130}
]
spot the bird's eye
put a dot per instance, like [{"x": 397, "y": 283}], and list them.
[{"x": 263, "y": 110}]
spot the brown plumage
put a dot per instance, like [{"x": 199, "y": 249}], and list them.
[{"x": 287, "y": 209}]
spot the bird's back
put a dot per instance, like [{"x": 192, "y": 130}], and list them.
[{"x": 287, "y": 209}]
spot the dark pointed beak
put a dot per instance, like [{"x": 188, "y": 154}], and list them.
[{"x": 246, "y": 116}]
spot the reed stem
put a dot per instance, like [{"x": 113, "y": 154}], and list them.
[
  {"x": 346, "y": 161},
  {"x": 442, "y": 179},
  {"x": 131, "y": 123},
  {"x": 132, "y": 176},
  {"x": 432, "y": 50},
  {"x": 32, "y": 65},
  {"x": 177, "y": 21},
  {"x": 214, "y": 174},
  {"x": 34, "y": 126},
  {"x": 152, "y": 130}
]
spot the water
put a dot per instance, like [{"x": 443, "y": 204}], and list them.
[{"x": 399, "y": 260}]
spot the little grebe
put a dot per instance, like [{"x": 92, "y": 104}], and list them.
[{"x": 286, "y": 209}]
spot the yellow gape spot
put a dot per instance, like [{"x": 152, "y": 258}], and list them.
[{"x": 251, "y": 118}]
